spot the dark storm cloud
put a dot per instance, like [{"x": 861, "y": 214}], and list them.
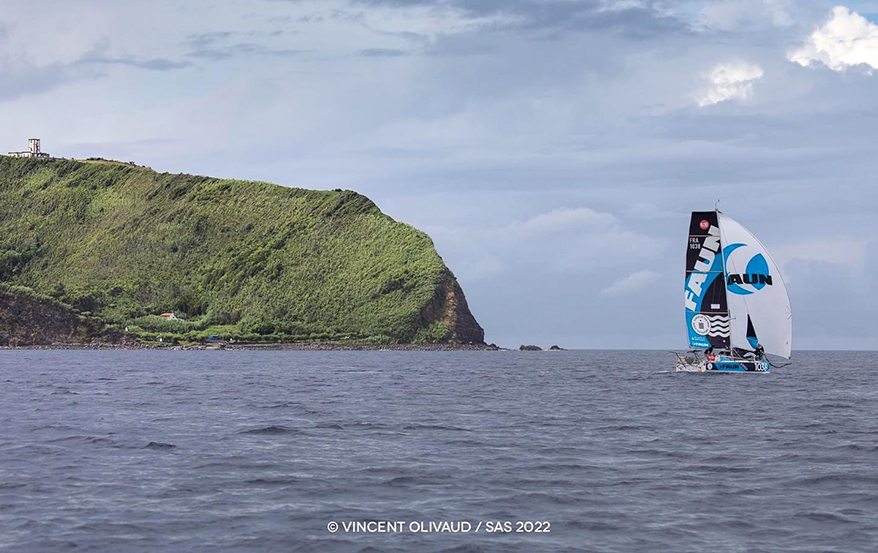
[
  {"x": 549, "y": 17},
  {"x": 556, "y": 17}
]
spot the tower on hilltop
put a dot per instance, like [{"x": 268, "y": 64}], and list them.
[{"x": 33, "y": 150}]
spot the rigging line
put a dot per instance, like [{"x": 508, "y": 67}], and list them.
[{"x": 773, "y": 366}]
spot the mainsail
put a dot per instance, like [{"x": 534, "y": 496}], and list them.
[
  {"x": 707, "y": 313},
  {"x": 734, "y": 293}
]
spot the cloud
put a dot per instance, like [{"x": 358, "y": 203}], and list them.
[
  {"x": 632, "y": 282},
  {"x": 635, "y": 19},
  {"x": 383, "y": 52},
  {"x": 27, "y": 79},
  {"x": 847, "y": 39},
  {"x": 848, "y": 251},
  {"x": 824, "y": 316},
  {"x": 214, "y": 46},
  {"x": 562, "y": 241},
  {"x": 156, "y": 64},
  {"x": 745, "y": 15},
  {"x": 646, "y": 210},
  {"x": 562, "y": 219},
  {"x": 16, "y": 82},
  {"x": 729, "y": 81}
]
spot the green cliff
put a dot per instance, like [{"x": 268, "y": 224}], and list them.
[{"x": 243, "y": 260}]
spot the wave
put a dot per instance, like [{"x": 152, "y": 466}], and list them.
[
  {"x": 159, "y": 445},
  {"x": 434, "y": 427},
  {"x": 274, "y": 429}
]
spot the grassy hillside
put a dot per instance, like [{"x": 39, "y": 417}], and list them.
[{"x": 246, "y": 260}]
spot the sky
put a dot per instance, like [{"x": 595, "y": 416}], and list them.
[{"x": 552, "y": 149}]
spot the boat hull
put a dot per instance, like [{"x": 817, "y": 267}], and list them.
[{"x": 720, "y": 364}]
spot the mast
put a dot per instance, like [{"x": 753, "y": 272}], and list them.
[{"x": 723, "y": 242}]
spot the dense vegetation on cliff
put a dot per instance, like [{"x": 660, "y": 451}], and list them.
[{"x": 245, "y": 260}]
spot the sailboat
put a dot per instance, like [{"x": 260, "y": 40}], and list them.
[{"x": 737, "y": 306}]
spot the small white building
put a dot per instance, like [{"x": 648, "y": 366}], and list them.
[{"x": 33, "y": 150}]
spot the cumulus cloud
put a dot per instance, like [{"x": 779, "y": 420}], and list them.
[
  {"x": 729, "y": 81},
  {"x": 632, "y": 282},
  {"x": 847, "y": 39}
]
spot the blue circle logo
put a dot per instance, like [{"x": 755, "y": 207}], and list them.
[{"x": 756, "y": 277}]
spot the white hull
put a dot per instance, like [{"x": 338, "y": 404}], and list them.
[{"x": 698, "y": 363}]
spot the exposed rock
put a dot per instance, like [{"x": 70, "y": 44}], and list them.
[
  {"x": 28, "y": 319},
  {"x": 557, "y": 348},
  {"x": 530, "y": 348},
  {"x": 449, "y": 306}
]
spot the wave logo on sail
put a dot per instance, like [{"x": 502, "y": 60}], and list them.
[{"x": 756, "y": 275}]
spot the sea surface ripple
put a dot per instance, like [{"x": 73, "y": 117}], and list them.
[{"x": 259, "y": 451}]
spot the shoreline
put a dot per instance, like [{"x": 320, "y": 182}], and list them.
[{"x": 297, "y": 346}]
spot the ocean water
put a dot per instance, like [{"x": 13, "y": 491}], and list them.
[{"x": 260, "y": 451}]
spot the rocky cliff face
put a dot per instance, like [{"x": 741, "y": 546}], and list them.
[
  {"x": 458, "y": 317},
  {"x": 450, "y": 310},
  {"x": 27, "y": 319}
]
